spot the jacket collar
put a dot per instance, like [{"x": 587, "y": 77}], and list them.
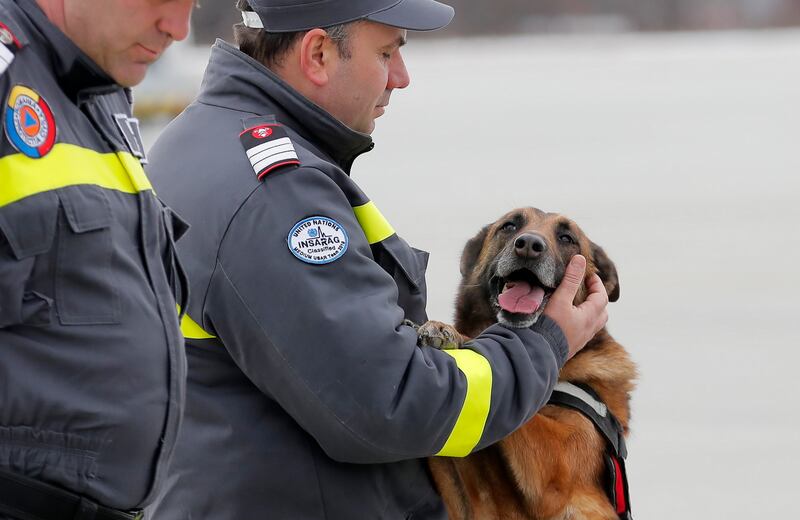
[
  {"x": 74, "y": 70},
  {"x": 236, "y": 81}
]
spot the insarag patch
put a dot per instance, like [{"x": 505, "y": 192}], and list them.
[
  {"x": 318, "y": 240},
  {"x": 268, "y": 148}
]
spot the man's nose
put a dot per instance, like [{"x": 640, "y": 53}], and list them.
[
  {"x": 174, "y": 20},
  {"x": 398, "y": 74},
  {"x": 530, "y": 245}
]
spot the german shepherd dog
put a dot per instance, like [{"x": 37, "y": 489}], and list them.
[{"x": 554, "y": 466}]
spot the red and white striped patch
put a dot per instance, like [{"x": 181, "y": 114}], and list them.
[
  {"x": 9, "y": 44},
  {"x": 268, "y": 148}
]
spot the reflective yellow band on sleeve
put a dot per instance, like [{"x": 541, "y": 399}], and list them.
[
  {"x": 191, "y": 330},
  {"x": 374, "y": 224},
  {"x": 69, "y": 165},
  {"x": 470, "y": 424}
]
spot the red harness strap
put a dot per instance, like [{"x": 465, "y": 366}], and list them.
[{"x": 617, "y": 486}]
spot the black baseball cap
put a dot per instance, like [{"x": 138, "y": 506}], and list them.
[{"x": 301, "y": 15}]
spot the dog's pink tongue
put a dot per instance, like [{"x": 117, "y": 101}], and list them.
[{"x": 521, "y": 298}]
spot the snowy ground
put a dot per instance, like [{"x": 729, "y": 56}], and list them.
[{"x": 678, "y": 154}]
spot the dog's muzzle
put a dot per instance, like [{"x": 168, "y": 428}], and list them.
[{"x": 525, "y": 277}]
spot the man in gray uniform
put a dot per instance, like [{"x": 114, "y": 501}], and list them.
[
  {"x": 307, "y": 395},
  {"x": 92, "y": 365}
]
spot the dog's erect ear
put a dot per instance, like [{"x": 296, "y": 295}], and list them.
[
  {"x": 607, "y": 272},
  {"x": 472, "y": 251}
]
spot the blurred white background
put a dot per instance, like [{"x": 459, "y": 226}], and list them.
[{"x": 678, "y": 153}]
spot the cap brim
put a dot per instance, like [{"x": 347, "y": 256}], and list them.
[{"x": 415, "y": 15}]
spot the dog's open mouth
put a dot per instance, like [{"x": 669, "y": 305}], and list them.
[{"x": 519, "y": 297}]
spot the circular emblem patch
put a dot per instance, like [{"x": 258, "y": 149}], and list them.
[
  {"x": 29, "y": 123},
  {"x": 262, "y": 132},
  {"x": 318, "y": 240}
]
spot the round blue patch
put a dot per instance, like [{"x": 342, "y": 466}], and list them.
[
  {"x": 318, "y": 240},
  {"x": 29, "y": 123}
]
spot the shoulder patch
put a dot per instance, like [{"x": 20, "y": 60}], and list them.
[
  {"x": 29, "y": 122},
  {"x": 318, "y": 240},
  {"x": 9, "y": 45},
  {"x": 268, "y": 147}
]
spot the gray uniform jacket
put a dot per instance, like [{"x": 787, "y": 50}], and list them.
[
  {"x": 92, "y": 365},
  {"x": 307, "y": 397}
]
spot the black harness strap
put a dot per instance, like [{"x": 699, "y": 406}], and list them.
[
  {"x": 584, "y": 399},
  {"x": 28, "y": 499}
]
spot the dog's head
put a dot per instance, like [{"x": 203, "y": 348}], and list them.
[{"x": 512, "y": 266}]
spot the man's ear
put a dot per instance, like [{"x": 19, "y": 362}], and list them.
[
  {"x": 314, "y": 49},
  {"x": 469, "y": 257},
  {"x": 607, "y": 272}
]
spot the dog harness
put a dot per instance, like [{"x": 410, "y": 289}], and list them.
[{"x": 582, "y": 398}]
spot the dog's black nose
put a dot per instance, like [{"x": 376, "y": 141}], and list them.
[{"x": 529, "y": 245}]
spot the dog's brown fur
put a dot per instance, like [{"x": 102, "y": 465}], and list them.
[{"x": 552, "y": 467}]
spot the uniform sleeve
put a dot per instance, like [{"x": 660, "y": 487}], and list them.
[{"x": 327, "y": 341}]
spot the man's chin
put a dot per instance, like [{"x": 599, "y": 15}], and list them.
[
  {"x": 366, "y": 128},
  {"x": 130, "y": 74}
]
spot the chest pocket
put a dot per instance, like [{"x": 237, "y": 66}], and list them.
[
  {"x": 85, "y": 293},
  {"x": 56, "y": 252},
  {"x": 27, "y": 230},
  {"x": 407, "y": 266}
]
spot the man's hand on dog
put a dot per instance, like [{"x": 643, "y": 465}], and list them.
[{"x": 579, "y": 323}]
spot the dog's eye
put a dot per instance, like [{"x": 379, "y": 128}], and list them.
[
  {"x": 509, "y": 227},
  {"x": 566, "y": 239}
]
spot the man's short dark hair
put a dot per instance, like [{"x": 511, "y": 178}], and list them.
[{"x": 271, "y": 48}]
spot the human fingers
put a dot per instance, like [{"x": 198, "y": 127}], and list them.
[
  {"x": 598, "y": 296},
  {"x": 596, "y": 305},
  {"x": 573, "y": 278}
]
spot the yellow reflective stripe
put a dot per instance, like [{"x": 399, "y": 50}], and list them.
[
  {"x": 69, "y": 165},
  {"x": 191, "y": 330},
  {"x": 470, "y": 424},
  {"x": 374, "y": 224},
  {"x": 138, "y": 178}
]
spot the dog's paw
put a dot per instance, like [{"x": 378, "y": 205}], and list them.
[{"x": 439, "y": 335}]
